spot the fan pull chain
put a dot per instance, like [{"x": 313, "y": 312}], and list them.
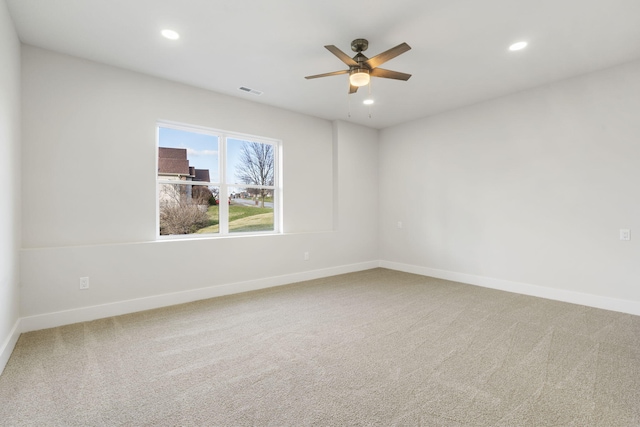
[
  {"x": 369, "y": 98},
  {"x": 348, "y": 105}
]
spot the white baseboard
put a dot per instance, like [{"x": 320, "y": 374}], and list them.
[
  {"x": 83, "y": 314},
  {"x": 9, "y": 344},
  {"x": 590, "y": 300},
  {"x": 51, "y": 320}
]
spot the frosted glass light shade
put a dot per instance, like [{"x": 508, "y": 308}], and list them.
[{"x": 359, "y": 78}]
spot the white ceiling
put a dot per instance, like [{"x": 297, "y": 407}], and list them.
[{"x": 459, "y": 50}]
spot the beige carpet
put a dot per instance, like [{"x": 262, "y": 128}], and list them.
[{"x": 377, "y": 348}]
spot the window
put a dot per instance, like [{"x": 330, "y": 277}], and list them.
[{"x": 215, "y": 183}]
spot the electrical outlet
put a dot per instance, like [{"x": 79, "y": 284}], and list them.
[
  {"x": 306, "y": 256},
  {"x": 625, "y": 234},
  {"x": 84, "y": 283}
]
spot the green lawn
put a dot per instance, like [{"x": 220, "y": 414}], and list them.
[{"x": 241, "y": 218}]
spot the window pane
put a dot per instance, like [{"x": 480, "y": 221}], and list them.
[
  {"x": 188, "y": 209},
  {"x": 250, "y": 209},
  {"x": 187, "y": 156},
  {"x": 192, "y": 174},
  {"x": 250, "y": 162}
]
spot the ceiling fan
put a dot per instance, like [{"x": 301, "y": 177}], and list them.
[{"x": 361, "y": 68}]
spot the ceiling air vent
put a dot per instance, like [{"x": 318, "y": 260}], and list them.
[{"x": 249, "y": 90}]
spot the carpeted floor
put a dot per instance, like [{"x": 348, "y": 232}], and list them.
[{"x": 376, "y": 348}]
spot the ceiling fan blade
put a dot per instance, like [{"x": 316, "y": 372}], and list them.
[
  {"x": 352, "y": 89},
  {"x": 388, "y": 74},
  {"x": 341, "y": 55},
  {"x": 333, "y": 73},
  {"x": 387, "y": 55}
]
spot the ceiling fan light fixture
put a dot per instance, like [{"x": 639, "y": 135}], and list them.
[
  {"x": 359, "y": 77},
  {"x": 361, "y": 68}
]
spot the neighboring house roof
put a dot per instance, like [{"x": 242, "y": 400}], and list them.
[
  {"x": 202, "y": 175},
  {"x": 173, "y": 167},
  {"x": 173, "y": 161},
  {"x": 172, "y": 153}
]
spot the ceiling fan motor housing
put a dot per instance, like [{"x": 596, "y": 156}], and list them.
[{"x": 359, "y": 45}]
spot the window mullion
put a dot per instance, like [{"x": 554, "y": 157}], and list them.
[{"x": 223, "y": 202}]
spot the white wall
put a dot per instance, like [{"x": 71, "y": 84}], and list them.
[
  {"x": 89, "y": 193},
  {"x": 357, "y": 193},
  {"x": 526, "y": 192},
  {"x": 10, "y": 178}
]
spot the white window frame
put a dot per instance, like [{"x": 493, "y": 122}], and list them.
[{"x": 222, "y": 184}]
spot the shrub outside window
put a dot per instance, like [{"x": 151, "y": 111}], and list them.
[{"x": 216, "y": 183}]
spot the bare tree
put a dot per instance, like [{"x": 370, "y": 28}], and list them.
[
  {"x": 180, "y": 213},
  {"x": 256, "y": 167}
]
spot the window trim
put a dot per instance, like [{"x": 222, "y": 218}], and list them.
[{"x": 223, "y": 212}]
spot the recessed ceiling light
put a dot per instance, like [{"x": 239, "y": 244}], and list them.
[
  {"x": 367, "y": 101},
  {"x": 518, "y": 46},
  {"x": 170, "y": 34}
]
